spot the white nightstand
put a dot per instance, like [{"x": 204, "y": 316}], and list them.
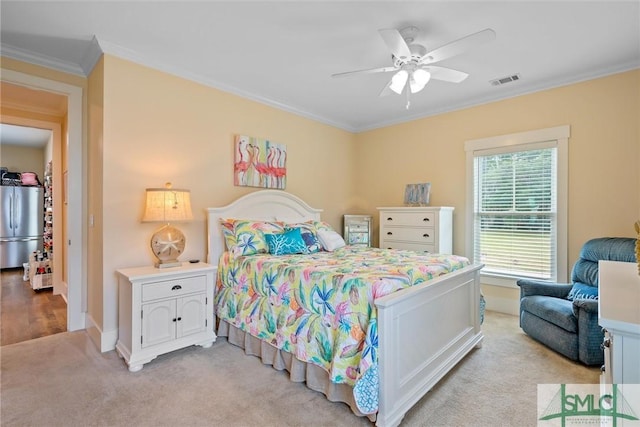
[
  {"x": 357, "y": 229},
  {"x": 161, "y": 310}
]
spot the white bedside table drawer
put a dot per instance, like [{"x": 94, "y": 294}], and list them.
[
  {"x": 408, "y": 218},
  {"x": 423, "y": 235},
  {"x": 173, "y": 288}
]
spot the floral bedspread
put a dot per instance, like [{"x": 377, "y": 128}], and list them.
[{"x": 319, "y": 306}]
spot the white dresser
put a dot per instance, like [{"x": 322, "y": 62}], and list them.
[
  {"x": 425, "y": 229},
  {"x": 619, "y": 314},
  {"x": 164, "y": 309}
]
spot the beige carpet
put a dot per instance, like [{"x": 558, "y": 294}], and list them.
[{"x": 62, "y": 380}]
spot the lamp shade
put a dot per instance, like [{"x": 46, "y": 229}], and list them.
[
  {"x": 167, "y": 205},
  {"x": 419, "y": 78},
  {"x": 398, "y": 81}
]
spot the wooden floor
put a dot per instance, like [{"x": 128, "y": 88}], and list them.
[{"x": 27, "y": 314}]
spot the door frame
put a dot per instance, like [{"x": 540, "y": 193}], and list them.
[{"x": 76, "y": 227}]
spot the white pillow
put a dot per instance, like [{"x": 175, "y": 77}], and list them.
[{"x": 330, "y": 240}]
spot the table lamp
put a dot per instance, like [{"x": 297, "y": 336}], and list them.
[{"x": 167, "y": 205}]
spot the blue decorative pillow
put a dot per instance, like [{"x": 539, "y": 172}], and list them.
[
  {"x": 582, "y": 291},
  {"x": 308, "y": 232},
  {"x": 289, "y": 242}
]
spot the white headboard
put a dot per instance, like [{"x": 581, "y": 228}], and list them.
[{"x": 269, "y": 205}]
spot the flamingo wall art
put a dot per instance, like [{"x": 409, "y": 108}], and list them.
[{"x": 259, "y": 163}]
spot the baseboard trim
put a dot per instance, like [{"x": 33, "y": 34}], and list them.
[
  {"x": 503, "y": 305},
  {"x": 105, "y": 341}
]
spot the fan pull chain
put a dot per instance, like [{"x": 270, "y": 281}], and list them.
[{"x": 408, "y": 95}]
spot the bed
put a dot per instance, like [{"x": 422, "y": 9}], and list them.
[{"x": 423, "y": 329}]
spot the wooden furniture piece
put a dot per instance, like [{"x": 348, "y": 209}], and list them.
[
  {"x": 161, "y": 310},
  {"x": 357, "y": 229},
  {"x": 425, "y": 229},
  {"x": 619, "y": 314},
  {"x": 411, "y": 318}
]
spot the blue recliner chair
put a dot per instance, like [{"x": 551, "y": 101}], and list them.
[{"x": 564, "y": 317}]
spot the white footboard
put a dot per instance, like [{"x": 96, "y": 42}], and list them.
[{"x": 424, "y": 331}]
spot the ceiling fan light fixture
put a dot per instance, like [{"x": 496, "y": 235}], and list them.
[
  {"x": 398, "y": 81},
  {"x": 419, "y": 79}
]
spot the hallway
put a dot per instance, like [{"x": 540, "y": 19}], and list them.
[{"x": 27, "y": 314}]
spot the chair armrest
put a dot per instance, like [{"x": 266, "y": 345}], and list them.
[
  {"x": 588, "y": 305},
  {"x": 539, "y": 287}
]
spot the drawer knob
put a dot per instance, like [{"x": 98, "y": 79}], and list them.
[
  {"x": 389, "y": 233},
  {"x": 389, "y": 219},
  {"x": 176, "y": 288},
  {"x": 425, "y": 235},
  {"x": 426, "y": 219}
]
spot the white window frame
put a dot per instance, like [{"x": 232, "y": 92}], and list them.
[{"x": 510, "y": 143}]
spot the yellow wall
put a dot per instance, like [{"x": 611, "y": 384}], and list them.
[
  {"x": 23, "y": 159},
  {"x": 95, "y": 231},
  {"x": 604, "y": 148},
  {"x": 158, "y": 128}
]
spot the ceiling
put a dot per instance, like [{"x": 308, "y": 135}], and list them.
[
  {"x": 283, "y": 53},
  {"x": 24, "y": 136}
]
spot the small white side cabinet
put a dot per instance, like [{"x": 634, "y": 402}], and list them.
[
  {"x": 357, "y": 230},
  {"x": 619, "y": 314},
  {"x": 424, "y": 229},
  {"x": 161, "y": 310}
]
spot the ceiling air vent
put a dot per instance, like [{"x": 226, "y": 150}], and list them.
[{"x": 503, "y": 80}]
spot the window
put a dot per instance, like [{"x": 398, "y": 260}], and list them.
[{"x": 516, "y": 200}]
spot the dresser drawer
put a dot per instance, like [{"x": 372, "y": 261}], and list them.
[
  {"x": 413, "y": 219},
  {"x": 418, "y": 235},
  {"x": 173, "y": 288},
  {"x": 359, "y": 227},
  {"x": 389, "y": 244}
]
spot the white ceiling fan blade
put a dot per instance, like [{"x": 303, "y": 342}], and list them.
[
  {"x": 446, "y": 74},
  {"x": 395, "y": 43},
  {"x": 387, "y": 90},
  {"x": 367, "y": 71},
  {"x": 457, "y": 47}
]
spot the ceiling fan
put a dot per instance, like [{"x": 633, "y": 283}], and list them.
[{"x": 412, "y": 62}]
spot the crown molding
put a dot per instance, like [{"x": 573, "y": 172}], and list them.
[
  {"x": 40, "y": 59},
  {"x": 91, "y": 56}
]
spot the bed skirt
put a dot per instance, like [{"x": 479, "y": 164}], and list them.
[{"x": 316, "y": 378}]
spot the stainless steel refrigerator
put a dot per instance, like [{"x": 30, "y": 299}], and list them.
[{"x": 21, "y": 224}]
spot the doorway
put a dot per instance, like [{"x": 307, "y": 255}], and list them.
[
  {"x": 30, "y": 307},
  {"x": 73, "y": 241}
]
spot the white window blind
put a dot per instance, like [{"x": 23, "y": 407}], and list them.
[{"x": 515, "y": 210}]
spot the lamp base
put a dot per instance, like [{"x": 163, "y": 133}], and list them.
[
  {"x": 168, "y": 264},
  {"x": 167, "y": 244}
]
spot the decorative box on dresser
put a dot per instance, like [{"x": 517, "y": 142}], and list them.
[
  {"x": 161, "y": 310},
  {"x": 619, "y": 315},
  {"x": 426, "y": 229}
]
